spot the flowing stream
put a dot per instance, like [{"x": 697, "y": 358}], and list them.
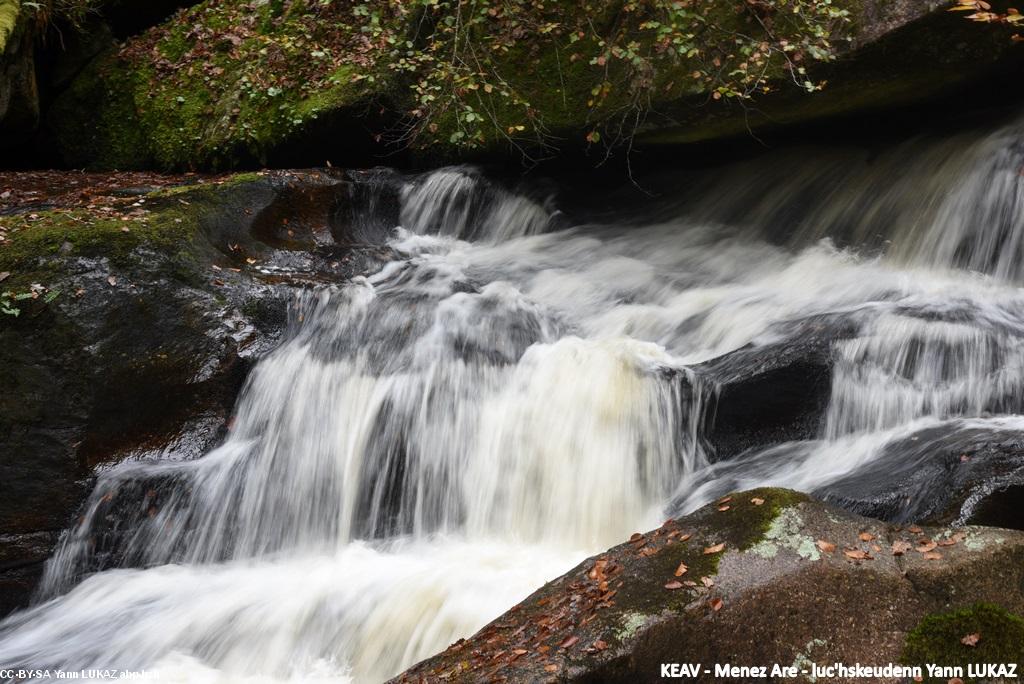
[{"x": 517, "y": 390}]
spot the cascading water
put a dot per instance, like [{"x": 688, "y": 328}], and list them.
[{"x": 509, "y": 395}]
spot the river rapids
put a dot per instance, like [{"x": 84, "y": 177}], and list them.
[{"x": 518, "y": 389}]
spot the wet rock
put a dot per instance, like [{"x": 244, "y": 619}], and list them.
[
  {"x": 773, "y": 393},
  {"x": 154, "y": 327},
  {"x": 953, "y": 472},
  {"x": 761, "y": 578}
]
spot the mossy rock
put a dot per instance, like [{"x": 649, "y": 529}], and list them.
[
  {"x": 9, "y": 10},
  {"x": 760, "y": 578},
  {"x": 939, "y": 639},
  {"x": 188, "y": 95}
]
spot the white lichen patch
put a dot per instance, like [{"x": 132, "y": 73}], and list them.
[
  {"x": 631, "y": 624},
  {"x": 978, "y": 540},
  {"x": 803, "y": 661},
  {"x": 786, "y": 533}
]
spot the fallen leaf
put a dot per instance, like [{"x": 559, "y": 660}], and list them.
[
  {"x": 925, "y": 546},
  {"x": 716, "y": 604},
  {"x": 914, "y": 529},
  {"x": 933, "y": 555},
  {"x": 707, "y": 582},
  {"x": 971, "y": 639},
  {"x": 600, "y": 645},
  {"x": 857, "y": 554},
  {"x": 681, "y": 570},
  {"x": 551, "y": 668},
  {"x": 866, "y": 536},
  {"x": 900, "y": 547},
  {"x": 673, "y": 585},
  {"x": 827, "y": 547},
  {"x": 569, "y": 641},
  {"x": 520, "y": 651},
  {"x": 757, "y": 501},
  {"x": 717, "y": 548},
  {"x": 952, "y": 540},
  {"x": 685, "y": 537},
  {"x": 112, "y": 280},
  {"x": 723, "y": 508},
  {"x": 4, "y": 276},
  {"x": 725, "y": 500}
]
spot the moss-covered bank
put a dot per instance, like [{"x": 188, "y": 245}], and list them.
[{"x": 237, "y": 82}]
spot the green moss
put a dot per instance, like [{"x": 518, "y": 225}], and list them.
[
  {"x": 937, "y": 638},
  {"x": 38, "y": 247},
  {"x": 9, "y": 10},
  {"x": 96, "y": 122},
  {"x": 740, "y": 528},
  {"x": 219, "y": 95}
]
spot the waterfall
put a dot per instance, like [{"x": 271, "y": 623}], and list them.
[{"x": 515, "y": 391}]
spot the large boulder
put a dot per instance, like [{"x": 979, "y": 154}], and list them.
[
  {"x": 763, "y": 395},
  {"x": 761, "y": 578},
  {"x": 139, "y": 315},
  {"x": 231, "y": 82}
]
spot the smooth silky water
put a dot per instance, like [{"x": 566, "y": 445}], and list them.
[{"x": 434, "y": 441}]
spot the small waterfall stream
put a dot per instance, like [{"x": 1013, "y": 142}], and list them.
[{"x": 514, "y": 392}]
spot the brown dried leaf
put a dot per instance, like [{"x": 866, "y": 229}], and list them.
[
  {"x": 673, "y": 585},
  {"x": 681, "y": 570},
  {"x": 723, "y": 508},
  {"x": 900, "y": 547},
  {"x": 600, "y": 645},
  {"x": 569, "y": 641},
  {"x": 971, "y": 639},
  {"x": 716, "y": 604},
  {"x": 857, "y": 554},
  {"x": 707, "y": 582},
  {"x": 933, "y": 555},
  {"x": 925, "y": 546},
  {"x": 717, "y": 548},
  {"x": 827, "y": 547},
  {"x": 866, "y": 536},
  {"x": 757, "y": 501}
]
